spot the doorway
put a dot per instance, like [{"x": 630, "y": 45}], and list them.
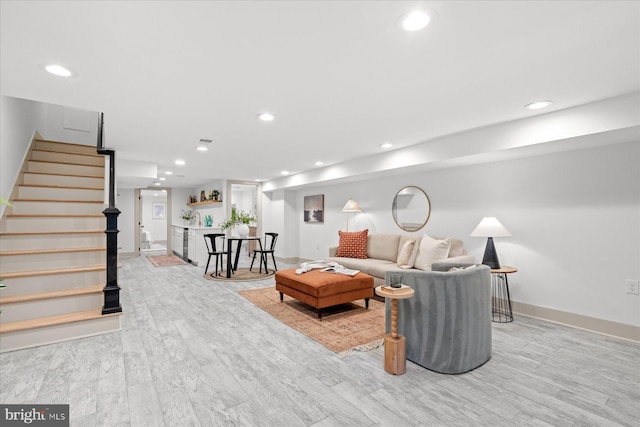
[{"x": 153, "y": 221}]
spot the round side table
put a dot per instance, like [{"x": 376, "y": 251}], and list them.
[
  {"x": 500, "y": 297},
  {"x": 395, "y": 362}
]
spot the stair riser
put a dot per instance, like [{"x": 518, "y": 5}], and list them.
[
  {"x": 50, "y": 307},
  {"x": 63, "y": 180},
  {"x": 55, "y": 224},
  {"x": 14, "y": 263},
  {"x": 77, "y": 159},
  {"x": 53, "y": 282},
  {"x": 57, "y": 208},
  {"x": 66, "y": 148},
  {"x": 51, "y": 241},
  {"x": 52, "y": 193},
  {"x": 58, "y": 333},
  {"x": 60, "y": 168}
]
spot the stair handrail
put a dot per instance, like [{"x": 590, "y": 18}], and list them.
[{"x": 111, "y": 289}]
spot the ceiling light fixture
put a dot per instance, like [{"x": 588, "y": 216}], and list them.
[
  {"x": 203, "y": 144},
  {"x": 58, "y": 70},
  {"x": 156, "y": 183},
  {"x": 202, "y": 148},
  {"x": 386, "y": 145},
  {"x": 415, "y": 20},
  {"x": 266, "y": 117},
  {"x": 162, "y": 179},
  {"x": 319, "y": 163},
  {"x": 168, "y": 173},
  {"x": 180, "y": 162},
  {"x": 538, "y": 105},
  {"x": 284, "y": 172}
]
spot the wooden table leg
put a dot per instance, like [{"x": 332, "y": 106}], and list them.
[{"x": 394, "y": 346}]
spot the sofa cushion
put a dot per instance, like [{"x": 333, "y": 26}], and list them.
[
  {"x": 352, "y": 244},
  {"x": 457, "y": 247},
  {"x": 379, "y": 270},
  {"x": 431, "y": 250},
  {"x": 404, "y": 256},
  {"x": 383, "y": 246}
]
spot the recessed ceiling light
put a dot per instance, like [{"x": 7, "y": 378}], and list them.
[
  {"x": 156, "y": 194},
  {"x": 180, "y": 162},
  {"x": 537, "y": 105},
  {"x": 284, "y": 173},
  {"x": 58, "y": 70},
  {"x": 257, "y": 180},
  {"x": 318, "y": 163},
  {"x": 162, "y": 179},
  {"x": 163, "y": 190},
  {"x": 168, "y": 173},
  {"x": 202, "y": 148},
  {"x": 156, "y": 183},
  {"x": 386, "y": 145},
  {"x": 266, "y": 117},
  {"x": 415, "y": 20}
]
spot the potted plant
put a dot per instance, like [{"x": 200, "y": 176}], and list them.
[
  {"x": 215, "y": 194},
  {"x": 187, "y": 216},
  {"x": 240, "y": 221}
]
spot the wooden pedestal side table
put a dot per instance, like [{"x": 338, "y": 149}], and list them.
[
  {"x": 395, "y": 362},
  {"x": 500, "y": 296}
]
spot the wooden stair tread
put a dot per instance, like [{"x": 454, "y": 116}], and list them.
[
  {"x": 66, "y": 163},
  {"x": 50, "y": 271},
  {"x": 53, "y": 251},
  {"x": 53, "y": 294},
  {"x": 57, "y": 201},
  {"x": 36, "y": 233},
  {"x": 67, "y": 152},
  {"x": 61, "y": 319},
  {"x": 62, "y": 142},
  {"x": 55, "y": 215},
  {"x": 67, "y": 187},
  {"x": 62, "y": 174}
]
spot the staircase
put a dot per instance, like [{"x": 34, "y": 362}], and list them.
[{"x": 52, "y": 249}]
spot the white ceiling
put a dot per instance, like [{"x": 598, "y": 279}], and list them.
[{"x": 340, "y": 76}]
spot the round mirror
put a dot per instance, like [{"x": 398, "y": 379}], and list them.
[{"x": 411, "y": 208}]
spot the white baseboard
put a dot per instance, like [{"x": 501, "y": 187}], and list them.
[{"x": 592, "y": 324}]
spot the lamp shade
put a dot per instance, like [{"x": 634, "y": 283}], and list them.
[
  {"x": 490, "y": 227},
  {"x": 351, "y": 206}
]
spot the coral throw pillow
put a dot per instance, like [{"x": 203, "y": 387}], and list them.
[{"x": 353, "y": 244}]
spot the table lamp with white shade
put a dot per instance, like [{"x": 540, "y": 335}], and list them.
[
  {"x": 351, "y": 207},
  {"x": 490, "y": 227}
]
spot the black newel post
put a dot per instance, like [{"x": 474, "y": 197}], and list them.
[{"x": 111, "y": 290}]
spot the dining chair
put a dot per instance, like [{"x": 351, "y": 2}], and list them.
[
  {"x": 214, "y": 250},
  {"x": 268, "y": 248}
]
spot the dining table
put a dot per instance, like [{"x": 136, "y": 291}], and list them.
[{"x": 239, "y": 239}]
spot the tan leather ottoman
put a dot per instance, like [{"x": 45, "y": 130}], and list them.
[{"x": 321, "y": 290}]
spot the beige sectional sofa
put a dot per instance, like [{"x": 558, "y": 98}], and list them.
[{"x": 383, "y": 250}]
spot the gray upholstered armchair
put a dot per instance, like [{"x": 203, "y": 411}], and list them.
[{"x": 447, "y": 323}]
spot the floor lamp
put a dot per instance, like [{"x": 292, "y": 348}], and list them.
[
  {"x": 351, "y": 207},
  {"x": 490, "y": 227}
]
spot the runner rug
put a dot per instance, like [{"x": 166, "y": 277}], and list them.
[
  {"x": 343, "y": 328},
  {"x": 165, "y": 260}
]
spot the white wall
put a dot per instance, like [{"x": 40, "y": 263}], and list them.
[
  {"x": 574, "y": 216},
  {"x": 126, "y": 220},
  {"x": 19, "y": 120},
  {"x": 68, "y": 124}
]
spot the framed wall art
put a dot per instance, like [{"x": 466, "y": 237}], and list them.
[
  {"x": 314, "y": 208},
  {"x": 158, "y": 210}
]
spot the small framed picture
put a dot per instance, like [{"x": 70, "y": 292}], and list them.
[
  {"x": 158, "y": 210},
  {"x": 314, "y": 208}
]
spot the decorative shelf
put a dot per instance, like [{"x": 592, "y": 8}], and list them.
[{"x": 208, "y": 202}]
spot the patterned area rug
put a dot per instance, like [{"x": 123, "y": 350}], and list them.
[
  {"x": 240, "y": 275},
  {"x": 343, "y": 328},
  {"x": 165, "y": 260}
]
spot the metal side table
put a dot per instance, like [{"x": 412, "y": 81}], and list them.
[{"x": 500, "y": 297}]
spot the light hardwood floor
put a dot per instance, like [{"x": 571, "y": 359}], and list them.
[{"x": 193, "y": 352}]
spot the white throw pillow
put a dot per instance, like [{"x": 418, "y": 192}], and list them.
[
  {"x": 404, "y": 257},
  {"x": 431, "y": 250}
]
